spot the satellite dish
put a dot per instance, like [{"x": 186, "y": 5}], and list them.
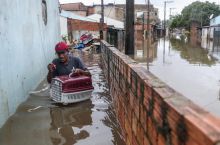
[{"x": 211, "y": 16}]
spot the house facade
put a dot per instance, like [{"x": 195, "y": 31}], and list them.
[
  {"x": 113, "y": 11},
  {"x": 77, "y": 25},
  {"x": 77, "y": 8}
]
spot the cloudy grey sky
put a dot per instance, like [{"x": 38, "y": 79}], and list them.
[{"x": 177, "y": 4}]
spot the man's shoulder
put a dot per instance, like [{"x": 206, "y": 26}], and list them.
[
  {"x": 74, "y": 58},
  {"x": 77, "y": 62},
  {"x": 55, "y": 61}
]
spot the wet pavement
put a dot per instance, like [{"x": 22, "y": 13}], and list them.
[
  {"x": 190, "y": 69},
  {"x": 40, "y": 121}
]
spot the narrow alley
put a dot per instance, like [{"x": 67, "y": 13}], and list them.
[
  {"x": 39, "y": 121},
  {"x": 107, "y": 72}
]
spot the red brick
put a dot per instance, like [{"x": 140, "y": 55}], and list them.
[
  {"x": 134, "y": 140},
  {"x": 136, "y": 108},
  {"x": 140, "y": 134},
  {"x": 161, "y": 140},
  {"x": 131, "y": 98},
  {"x": 147, "y": 95},
  {"x": 140, "y": 90},
  {"x": 152, "y": 132},
  {"x": 146, "y": 141},
  {"x": 121, "y": 117},
  {"x": 128, "y": 112},
  {"x": 128, "y": 142},
  {"x": 128, "y": 130},
  {"x": 143, "y": 117},
  {"x": 81, "y": 25},
  {"x": 134, "y": 124}
]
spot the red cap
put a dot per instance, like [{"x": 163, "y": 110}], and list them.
[{"x": 61, "y": 46}]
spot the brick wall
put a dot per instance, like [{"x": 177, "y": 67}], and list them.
[
  {"x": 74, "y": 25},
  {"x": 90, "y": 10},
  {"x": 74, "y": 7},
  {"x": 139, "y": 26},
  {"x": 149, "y": 111}
]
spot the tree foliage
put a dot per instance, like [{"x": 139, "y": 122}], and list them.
[{"x": 197, "y": 11}]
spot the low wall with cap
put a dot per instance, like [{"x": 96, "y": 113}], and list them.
[{"x": 149, "y": 111}]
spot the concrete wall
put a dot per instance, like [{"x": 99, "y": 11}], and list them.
[
  {"x": 81, "y": 13},
  {"x": 149, "y": 111},
  {"x": 118, "y": 11},
  {"x": 27, "y": 46},
  {"x": 205, "y": 32},
  {"x": 116, "y": 37},
  {"x": 211, "y": 32},
  {"x": 63, "y": 26},
  {"x": 109, "y": 11}
]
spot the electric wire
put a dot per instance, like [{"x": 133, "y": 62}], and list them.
[{"x": 110, "y": 12}]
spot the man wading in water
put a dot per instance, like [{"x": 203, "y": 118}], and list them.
[{"x": 65, "y": 63}]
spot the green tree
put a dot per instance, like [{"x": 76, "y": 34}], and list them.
[
  {"x": 197, "y": 11},
  {"x": 177, "y": 21}
]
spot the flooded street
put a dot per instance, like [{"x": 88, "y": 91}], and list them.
[
  {"x": 187, "y": 67},
  {"x": 39, "y": 121}
]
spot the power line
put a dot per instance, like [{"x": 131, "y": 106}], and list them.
[{"x": 110, "y": 12}]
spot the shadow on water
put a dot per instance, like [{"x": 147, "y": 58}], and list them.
[{"x": 40, "y": 121}]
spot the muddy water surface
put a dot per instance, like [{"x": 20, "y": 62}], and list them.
[{"x": 187, "y": 66}]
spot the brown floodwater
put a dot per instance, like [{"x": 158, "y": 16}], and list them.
[
  {"x": 40, "y": 121},
  {"x": 191, "y": 68}
]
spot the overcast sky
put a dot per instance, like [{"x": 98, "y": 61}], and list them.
[{"x": 177, "y": 4}]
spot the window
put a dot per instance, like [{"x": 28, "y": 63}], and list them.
[{"x": 44, "y": 11}]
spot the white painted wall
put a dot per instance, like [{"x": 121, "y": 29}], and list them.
[
  {"x": 27, "y": 46},
  {"x": 212, "y": 32},
  {"x": 63, "y": 26},
  {"x": 205, "y": 32},
  {"x": 108, "y": 12}
]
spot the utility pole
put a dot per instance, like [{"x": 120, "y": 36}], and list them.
[
  {"x": 129, "y": 30},
  {"x": 148, "y": 32},
  {"x": 165, "y": 6},
  {"x": 143, "y": 25},
  {"x": 102, "y": 20},
  {"x": 164, "y": 20},
  {"x": 170, "y": 20},
  {"x": 171, "y": 12},
  {"x": 148, "y": 19}
]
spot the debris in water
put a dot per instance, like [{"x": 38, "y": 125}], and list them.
[
  {"x": 31, "y": 110},
  {"x": 42, "y": 90}
]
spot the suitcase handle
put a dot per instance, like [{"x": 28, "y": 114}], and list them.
[{"x": 73, "y": 74}]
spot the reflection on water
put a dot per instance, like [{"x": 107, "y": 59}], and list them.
[
  {"x": 190, "y": 68},
  {"x": 212, "y": 46},
  {"x": 192, "y": 53},
  {"x": 89, "y": 122},
  {"x": 63, "y": 119},
  {"x": 141, "y": 54}
]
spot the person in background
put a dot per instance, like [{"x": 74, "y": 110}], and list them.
[{"x": 65, "y": 63}]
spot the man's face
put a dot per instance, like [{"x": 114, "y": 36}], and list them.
[{"x": 62, "y": 56}]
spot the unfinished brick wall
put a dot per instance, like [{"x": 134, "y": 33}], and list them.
[
  {"x": 75, "y": 25},
  {"x": 149, "y": 111}
]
